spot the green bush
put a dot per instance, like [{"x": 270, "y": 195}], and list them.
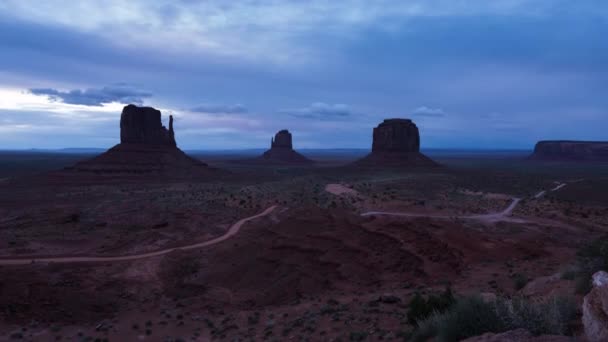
[
  {"x": 420, "y": 308},
  {"x": 471, "y": 316},
  {"x": 592, "y": 257}
]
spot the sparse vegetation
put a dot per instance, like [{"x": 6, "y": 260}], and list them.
[{"x": 472, "y": 316}]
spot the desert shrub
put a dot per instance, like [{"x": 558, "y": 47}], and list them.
[
  {"x": 592, "y": 257},
  {"x": 597, "y": 252},
  {"x": 421, "y": 308},
  {"x": 471, "y": 316},
  {"x": 552, "y": 317}
]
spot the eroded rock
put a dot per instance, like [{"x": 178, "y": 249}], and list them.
[
  {"x": 595, "y": 309},
  {"x": 396, "y": 142},
  {"x": 142, "y": 125}
]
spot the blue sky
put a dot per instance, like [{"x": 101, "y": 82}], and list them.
[{"x": 476, "y": 73}]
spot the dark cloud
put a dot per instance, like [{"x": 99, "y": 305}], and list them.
[
  {"x": 219, "y": 109},
  {"x": 121, "y": 93},
  {"x": 321, "y": 111}
]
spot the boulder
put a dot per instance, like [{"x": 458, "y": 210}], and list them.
[
  {"x": 595, "y": 309},
  {"x": 563, "y": 150},
  {"x": 396, "y": 142}
]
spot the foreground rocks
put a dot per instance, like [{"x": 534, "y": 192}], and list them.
[
  {"x": 562, "y": 150},
  {"x": 519, "y": 335},
  {"x": 146, "y": 148},
  {"x": 396, "y": 142},
  {"x": 595, "y": 309},
  {"x": 281, "y": 151}
]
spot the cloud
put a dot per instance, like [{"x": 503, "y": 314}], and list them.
[
  {"x": 320, "y": 110},
  {"x": 429, "y": 112},
  {"x": 121, "y": 93},
  {"x": 219, "y": 109}
]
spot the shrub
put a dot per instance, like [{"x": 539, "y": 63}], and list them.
[
  {"x": 420, "y": 308},
  {"x": 592, "y": 257},
  {"x": 471, "y": 316},
  {"x": 552, "y": 317}
]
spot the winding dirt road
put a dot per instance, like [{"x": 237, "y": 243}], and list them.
[
  {"x": 504, "y": 215},
  {"x": 234, "y": 229}
]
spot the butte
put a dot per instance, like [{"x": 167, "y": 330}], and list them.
[
  {"x": 146, "y": 148},
  {"x": 396, "y": 143}
]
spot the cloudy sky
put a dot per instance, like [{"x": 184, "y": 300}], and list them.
[{"x": 470, "y": 73}]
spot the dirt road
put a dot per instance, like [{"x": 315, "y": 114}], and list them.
[
  {"x": 504, "y": 215},
  {"x": 234, "y": 229}
]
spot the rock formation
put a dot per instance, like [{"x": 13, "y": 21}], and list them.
[
  {"x": 518, "y": 335},
  {"x": 142, "y": 125},
  {"x": 146, "y": 148},
  {"x": 562, "y": 150},
  {"x": 595, "y": 309},
  {"x": 396, "y": 142},
  {"x": 281, "y": 151}
]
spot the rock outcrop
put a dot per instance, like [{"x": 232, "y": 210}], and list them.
[
  {"x": 142, "y": 125},
  {"x": 146, "y": 148},
  {"x": 562, "y": 150},
  {"x": 595, "y": 309},
  {"x": 281, "y": 151},
  {"x": 396, "y": 142},
  {"x": 519, "y": 335}
]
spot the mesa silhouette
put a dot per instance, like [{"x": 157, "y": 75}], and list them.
[
  {"x": 146, "y": 148},
  {"x": 281, "y": 152},
  {"x": 396, "y": 143},
  {"x": 568, "y": 150}
]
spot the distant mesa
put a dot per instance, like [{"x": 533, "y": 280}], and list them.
[
  {"x": 146, "y": 148},
  {"x": 281, "y": 151},
  {"x": 564, "y": 150},
  {"x": 396, "y": 142}
]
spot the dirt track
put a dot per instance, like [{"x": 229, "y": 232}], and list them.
[
  {"x": 504, "y": 215},
  {"x": 234, "y": 229}
]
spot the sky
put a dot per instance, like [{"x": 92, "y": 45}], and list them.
[{"x": 469, "y": 73}]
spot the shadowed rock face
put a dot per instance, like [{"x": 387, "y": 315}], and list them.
[
  {"x": 396, "y": 135},
  {"x": 142, "y": 125},
  {"x": 281, "y": 140},
  {"x": 571, "y": 150},
  {"x": 396, "y": 142}
]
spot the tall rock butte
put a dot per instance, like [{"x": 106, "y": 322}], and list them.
[
  {"x": 565, "y": 150},
  {"x": 281, "y": 151},
  {"x": 142, "y": 125},
  {"x": 146, "y": 148},
  {"x": 396, "y": 142}
]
